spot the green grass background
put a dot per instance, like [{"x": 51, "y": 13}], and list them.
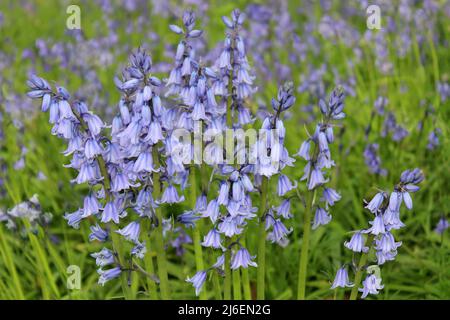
[{"x": 33, "y": 267}]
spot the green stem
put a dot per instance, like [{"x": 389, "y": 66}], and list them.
[
  {"x": 196, "y": 232},
  {"x": 237, "y": 284},
  {"x": 261, "y": 271},
  {"x": 217, "y": 288},
  {"x": 148, "y": 260},
  {"x": 245, "y": 278},
  {"x": 359, "y": 272},
  {"x": 160, "y": 251},
  {"x": 303, "y": 265},
  {"x": 227, "y": 280}
]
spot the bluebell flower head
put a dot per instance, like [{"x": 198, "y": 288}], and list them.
[
  {"x": 376, "y": 202},
  {"x": 104, "y": 257},
  {"x": 285, "y": 185},
  {"x": 341, "y": 280},
  {"x": 371, "y": 285},
  {"x": 321, "y": 217},
  {"x": 131, "y": 231},
  {"x": 357, "y": 243},
  {"x": 197, "y": 281},
  {"x": 212, "y": 239},
  {"x": 97, "y": 233},
  {"x": 242, "y": 258},
  {"x": 330, "y": 196},
  {"x": 441, "y": 226},
  {"x": 284, "y": 209},
  {"x": 106, "y": 275}
]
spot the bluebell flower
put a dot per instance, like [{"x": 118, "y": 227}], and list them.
[
  {"x": 74, "y": 218},
  {"x": 441, "y": 226},
  {"x": 373, "y": 160},
  {"x": 392, "y": 219},
  {"x": 139, "y": 250},
  {"x": 144, "y": 163},
  {"x": 97, "y": 233},
  {"x": 188, "y": 218},
  {"x": 110, "y": 212},
  {"x": 212, "y": 239},
  {"x": 395, "y": 201},
  {"x": 376, "y": 202},
  {"x": 356, "y": 243},
  {"x": 387, "y": 243},
  {"x": 377, "y": 227},
  {"x": 229, "y": 227},
  {"x": 433, "y": 138},
  {"x": 219, "y": 262},
  {"x": 316, "y": 179},
  {"x": 284, "y": 209},
  {"x": 383, "y": 257},
  {"x": 212, "y": 210},
  {"x": 371, "y": 285},
  {"x": 170, "y": 195},
  {"x": 330, "y": 196},
  {"x": 106, "y": 275},
  {"x": 104, "y": 257},
  {"x": 131, "y": 231},
  {"x": 321, "y": 217},
  {"x": 242, "y": 258},
  {"x": 197, "y": 281},
  {"x": 279, "y": 231},
  {"x": 285, "y": 185},
  {"x": 91, "y": 205},
  {"x": 341, "y": 280}
]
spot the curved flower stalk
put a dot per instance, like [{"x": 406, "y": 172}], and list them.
[
  {"x": 188, "y": 82},
  {"x": 315, "y": 150},
  {"x": 380, "y": 241},
  {"x": 234, "y": 83},
  {"x": 230, "y": 211},
  {"x": 82, "y": 129},
  {"x": 123, "y": 172},
  {"x": 271, "y": 158}
]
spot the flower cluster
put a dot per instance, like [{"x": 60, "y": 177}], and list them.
[
  {"x": 233, "y": 79},
  {"x": 386, "y": 210},
  {"x": 315, "y": 150},
  {"x": 118, "y": 170}
]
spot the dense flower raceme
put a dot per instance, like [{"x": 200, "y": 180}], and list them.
[
  {"x": 118, "y": 170},
  {"x": 315, "y": 150},
  {"x": 379, "y": 237},
  {"x": 231, "y": 210},
  {"x": 232, "y": 69},
  {"x": 230, "y": 81}
]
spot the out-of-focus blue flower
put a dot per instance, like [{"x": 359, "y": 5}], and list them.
[{"x": 441, "y": 226}]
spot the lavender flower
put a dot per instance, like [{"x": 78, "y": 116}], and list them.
[
  {"x": 386, "y": 209},
  {"x": 371, "y": 285},
  {"x": 341, "y": 279},
  {"x": 197, "y": 281},
  {"x": 441, "y": 226}
]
